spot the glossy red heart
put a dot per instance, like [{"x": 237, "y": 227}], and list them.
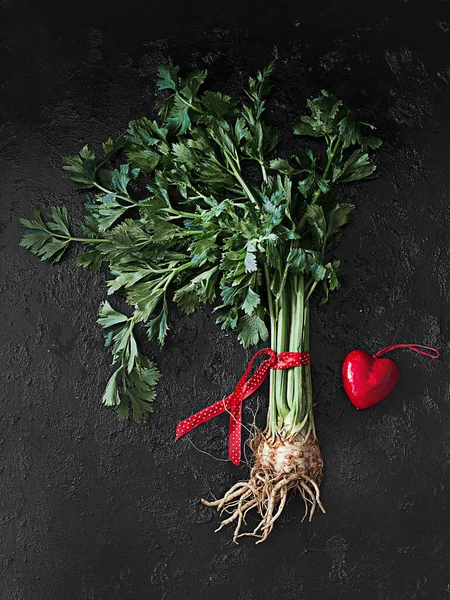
[{"x": 367, "y": 380}]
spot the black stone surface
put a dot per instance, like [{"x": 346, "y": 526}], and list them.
[{"x": 91, "y": 509}]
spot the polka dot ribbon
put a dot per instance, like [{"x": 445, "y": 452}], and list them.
[{"x": 244, "y": 388}]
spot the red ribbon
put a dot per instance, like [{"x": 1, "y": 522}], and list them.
[{"x": 243, "y": 389}]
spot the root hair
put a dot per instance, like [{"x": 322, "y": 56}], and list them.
[{"x": 280, "y": 468}]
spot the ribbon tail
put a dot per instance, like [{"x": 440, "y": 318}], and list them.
[
  {"x": 202, "y": 416},
  {"x": 234, "y": 438}
]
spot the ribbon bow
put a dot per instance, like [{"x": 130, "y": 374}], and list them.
[{"x": 243, "y": 389}]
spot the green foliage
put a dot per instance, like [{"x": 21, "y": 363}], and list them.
[
  {"x": 330, "y": 118},
  {"x": 106, "y": 210},
  {"x": 50, "y": 239},
  {"x": 145, "y": 144},
  {"x": 134, "y": 379},
  {"x": 85, "y": 168},
  {"x": 357, "y": 166},
  {"x": 201, "y": 289},
  {"x": 172, "y": 212},
  {"x": 252, "y": 329},
  {"x": 81, "y": 168}
]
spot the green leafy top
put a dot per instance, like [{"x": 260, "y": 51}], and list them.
[{"x": 203, "y": 228}]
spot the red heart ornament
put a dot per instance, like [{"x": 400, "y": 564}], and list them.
[{"x": 368, "y": 379}]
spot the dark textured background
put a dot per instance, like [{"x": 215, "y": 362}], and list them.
[{"x": 91, "y": 509}]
